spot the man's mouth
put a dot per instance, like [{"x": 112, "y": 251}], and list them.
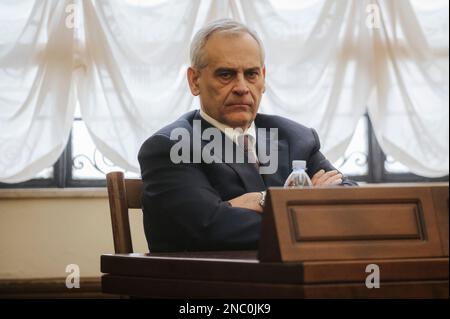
[{"x": 238, "y": 104}]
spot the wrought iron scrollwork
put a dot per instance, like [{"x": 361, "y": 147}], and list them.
[
  {"x": 361, "y": 159},
  {"x": 98, "y": 161}
]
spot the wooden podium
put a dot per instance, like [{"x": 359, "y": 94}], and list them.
[{"x": 315, "y": 243}]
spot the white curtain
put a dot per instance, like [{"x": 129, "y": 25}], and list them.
[
  {"x": 134, "y": 80},
  {"x": 126, "y": 61},
  {"x": 319, "y": 70},
  {"x": 409, "y": 104},
  {"x": 36, "y": 87}
]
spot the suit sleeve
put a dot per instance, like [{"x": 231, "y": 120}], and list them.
[
  {"x": 182, "y": 211},
  {"x": 317, "y": 161}
]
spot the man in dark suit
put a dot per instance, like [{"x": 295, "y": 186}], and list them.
[{"x": 213, "y": 203}]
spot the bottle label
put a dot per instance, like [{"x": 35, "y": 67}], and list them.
[{"x": 298, "y": 178}]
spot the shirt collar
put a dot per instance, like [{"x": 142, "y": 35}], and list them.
[{"x": 230, "y": 133}]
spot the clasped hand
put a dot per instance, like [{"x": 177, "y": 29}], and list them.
[{"x": 252, "y": 200}]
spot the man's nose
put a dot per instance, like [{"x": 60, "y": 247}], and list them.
[{"x": 240, "y": 85}]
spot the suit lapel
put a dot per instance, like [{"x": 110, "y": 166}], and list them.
[
  {"x": 277, "y": 145},
  {"x": 281, "y": 148},
  {"x": 249, "y": 175}
]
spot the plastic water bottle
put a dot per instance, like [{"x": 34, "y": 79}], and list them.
[{"x": 298, "y": 177}]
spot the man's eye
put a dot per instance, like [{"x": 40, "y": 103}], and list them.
[
  {"x": 225, "y": 75},
  {"x": 252, "y": 74}
]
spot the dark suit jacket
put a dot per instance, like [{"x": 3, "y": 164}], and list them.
[{"x": 185, "y": 205}]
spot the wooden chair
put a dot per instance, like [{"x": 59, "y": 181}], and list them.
[{"x": 123, "y": 194}]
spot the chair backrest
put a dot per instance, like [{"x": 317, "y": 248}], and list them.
[{"x": 123, "y": 194}]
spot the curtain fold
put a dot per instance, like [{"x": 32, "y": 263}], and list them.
[
  {"x": 319, "y": 73},
  {"x": 36, "y": 88},
  {"x": 409, "y": 105},
  {"x": 135, "y": 61},
  {"x": 125, "y": 62}
]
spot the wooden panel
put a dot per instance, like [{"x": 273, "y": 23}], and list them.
[
  {"x": 390, "y": 270},
  {"x": 134, "y": 191},
  {"x": 391, "y": 230},
  {"x": 404, "y": 290},
  {"x": 346, "y": 221},
  {"x": 185, "y": 289},
  {"x": 250, "y": 270},
  {"x": 440, "y": 200},
  {"x": 201, "y": 268}
]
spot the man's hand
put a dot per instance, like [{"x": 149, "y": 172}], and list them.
[
  {"x": 249, "y": 201},
  {"x": 322, "y": 178}
]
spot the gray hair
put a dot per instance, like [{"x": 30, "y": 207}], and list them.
[{"x": 223, "y": 25}]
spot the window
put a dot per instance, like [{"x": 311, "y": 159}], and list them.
[
  {"x": 364, "y": 160},
  {"x": 81, "y": 164},
  {"x": 355, "y": 162},
  {"x": 86, "y": 165}
]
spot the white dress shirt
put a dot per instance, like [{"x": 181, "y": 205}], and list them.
[
  {"x": 234, "y": 134},
  {"x": 230, "y": 133}
]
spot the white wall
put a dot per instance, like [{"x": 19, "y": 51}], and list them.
[{"x": 42, "y": 231}]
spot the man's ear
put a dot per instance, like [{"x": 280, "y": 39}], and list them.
[
  {"x": 264, "y": 77},
  {"x": 193, "y": 76}
]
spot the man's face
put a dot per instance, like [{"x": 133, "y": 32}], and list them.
[{"x": 232, "y": 83}]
